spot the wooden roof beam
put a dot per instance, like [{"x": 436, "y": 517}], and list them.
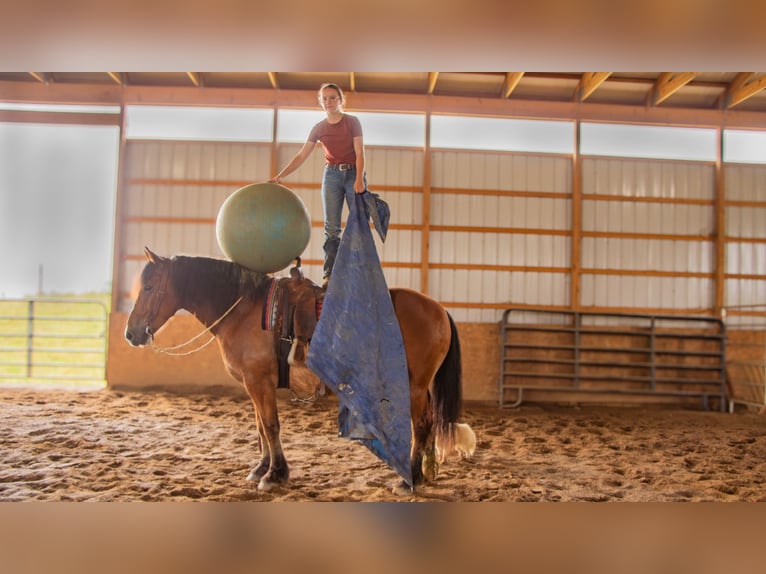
[
  {"x": 118, "y": 77},
  {"x": 41, "y": 77},
  {"x": 432, "y": 77},
  {"x": 196, "y": 78},
  {"x": 512, "y": 80},
  {"x": 273, "y": 80},
  {"x": 352, "y": 81},
  {"x": 739, "y": 80},
  {"x": 746, "y": 90},
  {"x": 668, "y": 84},
  {"x": 589, "y": 82}
]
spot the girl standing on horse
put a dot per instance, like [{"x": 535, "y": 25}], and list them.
[{"x": 341, "y": 137}]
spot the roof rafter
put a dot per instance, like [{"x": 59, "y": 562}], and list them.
[
  {"x": 196, "y": 78},
  {"x": 745, "y": 90},
  {"x": 41, "y": 77},
  {"x": 739, "y": 80},
  {"x": 589, "y": 82},
  {"x": 273, "y": 80},
  {"x": 352, "y": 81},
  {"x": 118, "y": 77},
  {"x": 668, "y": 84},
  {"x": 512, "y": 80},
  {"x": 432, "y": 78}
]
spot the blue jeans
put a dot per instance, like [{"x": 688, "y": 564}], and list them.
[{"x": 337, "y": 186}]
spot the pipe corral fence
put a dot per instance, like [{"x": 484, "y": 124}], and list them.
[
  {"x": 578, "y": 355},
  {"x": 746, "y": 364},
  {"x": 53, "y": 342}
]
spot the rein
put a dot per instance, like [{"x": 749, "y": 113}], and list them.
[{"x": 170, "y": 350}]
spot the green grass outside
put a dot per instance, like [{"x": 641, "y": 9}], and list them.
[{"x": 67, "y": 343}]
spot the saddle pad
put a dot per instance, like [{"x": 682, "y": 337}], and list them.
[{"x": 271, "y": 305}]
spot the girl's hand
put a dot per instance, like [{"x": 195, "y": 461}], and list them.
[{"x": 359, "y": 185}]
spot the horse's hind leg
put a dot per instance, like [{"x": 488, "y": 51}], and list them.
[{"x": 422, "y": 457}]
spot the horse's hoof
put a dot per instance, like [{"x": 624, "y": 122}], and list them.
[
  {"x": 403, "y": 489},
  {"x": 265, "y": 485},
  {"x": 256, "y": 474},
  {"x": 430, "y": 468},
  {"x": 259, "y": 470}
]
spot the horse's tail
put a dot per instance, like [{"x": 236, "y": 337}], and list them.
[{"x": 448, "y": 391}]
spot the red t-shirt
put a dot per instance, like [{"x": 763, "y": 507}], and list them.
[{"x": 338, "y": 139}]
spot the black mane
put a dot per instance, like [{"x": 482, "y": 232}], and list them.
[{"x": 216, "y": 281}]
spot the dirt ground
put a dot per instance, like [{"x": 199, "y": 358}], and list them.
[{"x": 158, "y": 446}]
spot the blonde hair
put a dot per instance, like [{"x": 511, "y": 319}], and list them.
[{"x": 334, "y": 87}]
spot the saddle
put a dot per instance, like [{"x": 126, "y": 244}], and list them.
[{"x": 291, "y": 311}]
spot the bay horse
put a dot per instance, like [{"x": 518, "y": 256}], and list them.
[{"x": 229, "y": 299}]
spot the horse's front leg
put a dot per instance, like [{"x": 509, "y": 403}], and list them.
[
  {"x": 263, "y": 465},
  {"x": 272, "y": 469}
]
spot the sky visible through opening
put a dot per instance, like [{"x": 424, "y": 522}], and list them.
[{"x": 58, "y": 182}]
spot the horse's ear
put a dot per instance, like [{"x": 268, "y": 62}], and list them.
[{"x": 151, "y": 257}]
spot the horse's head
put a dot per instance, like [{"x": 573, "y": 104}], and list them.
[{"x": 156, "y": 301}]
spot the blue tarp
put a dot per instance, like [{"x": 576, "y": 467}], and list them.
[{"x": 357, "y": 349}]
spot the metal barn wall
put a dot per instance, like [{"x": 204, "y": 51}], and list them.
[
  {"x": 171, "y": 194},
  {"x": 479, "y": 231},
  {"x": 745, "y": 221},
  {"x": 648, "y": 234},
  {"x": 500, "y": 226}
]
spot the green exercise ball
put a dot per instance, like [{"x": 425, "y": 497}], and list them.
[{"x": 263, "y": 226}]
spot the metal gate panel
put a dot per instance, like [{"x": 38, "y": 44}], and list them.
[
  {"x": 592, "y": 354},
  {"x": 53, "y": 341}
]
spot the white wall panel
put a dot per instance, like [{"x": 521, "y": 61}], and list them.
[
  {"x": 648, "y": 254},
  {"x": 401, "y": 246},
  {"x": 648, "y": 178},
  {"x": 746, "y": 258},
  {"x": 504, "y": 287},
  {"x": 745, "y": 292},
  {"x": 474, "y": 210},
  {"x": 406, "y": 207},
  {"x": 503, "y": 249},
  {"x": 745, "y": 182},
  {"x": 198, "y": 160},
  {"x": 748, "y": 222},
  {"x": 656, "y": 218},
  {"x": 393, "y": 167},
  {"x": 644, "y": 291},
  {"x": 501, "y": 171}
]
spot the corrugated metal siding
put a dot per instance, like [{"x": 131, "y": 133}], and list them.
[
  {"x": 500, "y": 171},
  {"x": 186, "y": 211},
  {"x": 746, "y": 248},
  {"x": 502, "y": 242},
  {"x": 630, "y": 181},
  {"x": 397, "y": 176},
  {"x": 648, "y": 255},
  {"x": 642, "y": 291},
  {"x": 502, "y": 220},
  {"x": 648, "y": 178}
]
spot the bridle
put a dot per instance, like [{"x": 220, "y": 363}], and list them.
[{"x": 159, "y": 294}]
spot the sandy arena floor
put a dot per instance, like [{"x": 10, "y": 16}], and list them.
[{"x": 115, "y": 446}]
